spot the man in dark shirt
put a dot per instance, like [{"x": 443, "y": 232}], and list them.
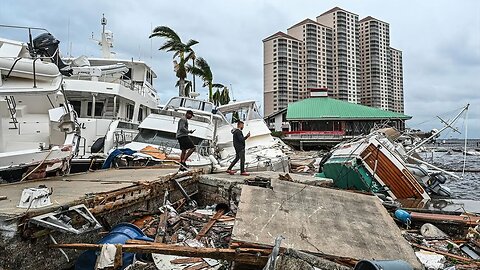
[
  {"x": 239, "y": 145},
  {"x": 183, "y": 137}
]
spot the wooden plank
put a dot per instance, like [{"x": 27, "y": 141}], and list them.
[
  {"x": 212, "y": 253},
  {"x": 453, "y": 256},
  {"x": 462, "y": 219},
  {"x": 186, "y": 260},
  {"x": 210, "y": 224}
]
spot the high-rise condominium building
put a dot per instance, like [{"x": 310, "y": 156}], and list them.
[
  {"x": 351, "y": 58},
  {"x": 281, "y": 72},
  {"x": 374, "y": 59},
  {"x": 346, "y": 68},
  {"x": 315, "y": 55},
  {"x": 396, "y": 68}
]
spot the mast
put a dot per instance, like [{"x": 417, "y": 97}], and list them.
[
  {"x": 447, "y": 125},
  {"x": 107, "y": 40}
]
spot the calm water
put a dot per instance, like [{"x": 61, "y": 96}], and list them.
[{"x": 469, "y": 186}]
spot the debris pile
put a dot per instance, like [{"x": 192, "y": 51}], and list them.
[{"x": 437, "y": 249}]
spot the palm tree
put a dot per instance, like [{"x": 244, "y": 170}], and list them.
[
  {"x": 202, "y": 70},
  {"x": 183, "y": 51},
  {"x": 221, "y": 97},
  {"x": 188, "y": 87}
]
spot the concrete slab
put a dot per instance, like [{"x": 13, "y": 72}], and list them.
[
  {"x": 70, "y": 188},
  {"x": 323, "y": 220}
]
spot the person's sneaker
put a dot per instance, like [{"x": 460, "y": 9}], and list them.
[
  {"x": 245, "y": 174},
  {"x": 231, "y": 172}
]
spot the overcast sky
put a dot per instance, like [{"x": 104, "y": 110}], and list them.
[{"x": 440, "y": 41}]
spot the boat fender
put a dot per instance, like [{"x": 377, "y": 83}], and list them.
[
  {"x": 98, "y": 145},
  {"x": 403, "y": 216}
]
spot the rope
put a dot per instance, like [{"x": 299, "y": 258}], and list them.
[{"x": 38, "y": 166}]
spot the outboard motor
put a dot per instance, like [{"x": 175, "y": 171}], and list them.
[
  {"x": 435, "y": 185},
  {"x": 46, "y": 45}
]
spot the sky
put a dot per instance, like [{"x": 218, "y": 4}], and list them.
[{"x": 440, "y": 41}]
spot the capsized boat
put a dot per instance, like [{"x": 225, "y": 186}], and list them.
[
  {"x": 39, "y": 133},
  {"x": 372, "y": 163},
  {"x": 262, "y": 150}
]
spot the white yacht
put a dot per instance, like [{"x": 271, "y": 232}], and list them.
[
  {"x": 39, "y": 132},
  {"x": 157, "y": 132},
  {"x": 111, "y": 97},
  {"x": 212, "y": 136}
]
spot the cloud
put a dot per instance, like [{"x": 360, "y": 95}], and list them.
[{"x": 440, "y": 40}]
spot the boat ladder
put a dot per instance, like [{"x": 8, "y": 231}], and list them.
[{"x": 12, "y": 108}]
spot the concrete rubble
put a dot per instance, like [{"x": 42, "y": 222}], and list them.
[{"x": 218, "y": 221}]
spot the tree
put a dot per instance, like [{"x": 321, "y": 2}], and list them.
[
  {"x": 221, "y": 97},
  {"x": 203, "y": 70},
  {"x": 188, "y": 87},
  {"x": 183, "y": 51}
]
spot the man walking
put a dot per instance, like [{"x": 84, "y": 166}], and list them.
[
  {"x": 239, "y": 145},
  {"x": 183, "y": 137}
]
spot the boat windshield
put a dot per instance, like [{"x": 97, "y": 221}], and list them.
[
  {"x": 189, "y": 103},
  {"x": 242, "y": 113},
  {"x": 160, "y": 138}
]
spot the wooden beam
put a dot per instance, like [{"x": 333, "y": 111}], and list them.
[
  {"x": 238, "y": 255},
  {"x": 453, "y": 256},
  {"x": 210, "y": 224}
]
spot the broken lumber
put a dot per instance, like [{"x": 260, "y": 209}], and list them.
[
  {"x": 186, "y": 260},
  {"x": 237, "y": 255},
  {"x": 210, "y": 224},
  {"x": 453, "y": 256}
]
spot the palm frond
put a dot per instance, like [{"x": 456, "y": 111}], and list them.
[
  {"x": 190, "y": 43},
  {"x": 166, "y": 32},
  {"x": 168, "y": 45},
  {"x": 218, "y": 85},
  {"x": 190, "y": 55}
]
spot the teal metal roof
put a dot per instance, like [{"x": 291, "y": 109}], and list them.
[{"x": 329, "y": 108}]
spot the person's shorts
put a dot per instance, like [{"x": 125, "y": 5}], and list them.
[{"x": 185, "y": 143}]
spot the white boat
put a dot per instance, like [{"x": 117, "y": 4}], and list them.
[
  {"x": 262, "y": 150},
  {"x": 39, "y": 133},
  {"x": 158, "y": 132},
  {"x": 212, "y": 136},
  {"x": 111, "y": 97}
]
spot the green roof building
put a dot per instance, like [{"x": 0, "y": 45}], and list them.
[{"x": 323, "y": 121}]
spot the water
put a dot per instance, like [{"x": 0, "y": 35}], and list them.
[{"x": 469, "y": 186}]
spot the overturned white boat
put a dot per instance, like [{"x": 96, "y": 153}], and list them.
[
  {"x": 263, "y": 151},
  {"x": 39, "y": 134}
]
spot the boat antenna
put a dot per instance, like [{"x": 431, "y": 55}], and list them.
[{"x": 447, "y": 125}]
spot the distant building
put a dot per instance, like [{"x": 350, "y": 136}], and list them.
[
  {"x": 321, "y": 121},
  {"x": 346, "y": 67},
  {"x": 396, "y": 81},
  {"x": 351, "y": 58},
  {"x": 281, "y": 71}
]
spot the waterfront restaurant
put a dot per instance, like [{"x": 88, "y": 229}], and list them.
[{"x": 323, "y": 121}]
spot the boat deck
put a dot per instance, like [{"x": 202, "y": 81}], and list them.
[{"x": 71, "y": 188}]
